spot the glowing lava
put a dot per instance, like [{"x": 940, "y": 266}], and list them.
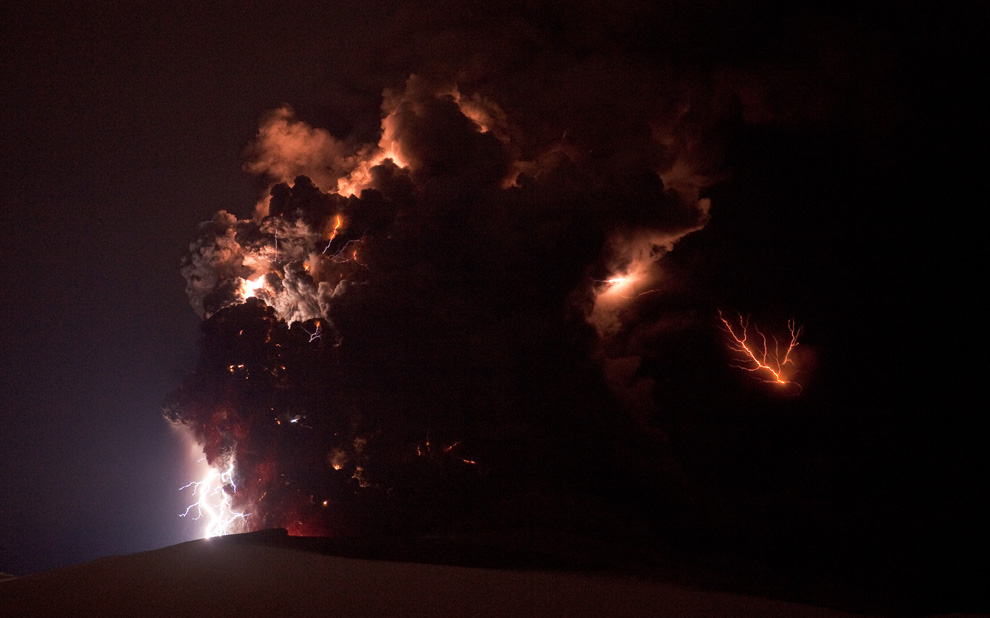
[
  {"x": 762, "y": 356},
  {"x": 214, "y": 502}
]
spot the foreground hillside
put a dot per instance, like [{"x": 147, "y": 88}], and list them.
[{"x": 263, "y": 576}]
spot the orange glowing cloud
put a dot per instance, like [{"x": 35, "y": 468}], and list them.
[
  {"x": 638, "y": 273},
  {"x": 286, "y": 147}
]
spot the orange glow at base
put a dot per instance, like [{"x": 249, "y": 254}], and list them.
[{"x": 760, "y": 355}]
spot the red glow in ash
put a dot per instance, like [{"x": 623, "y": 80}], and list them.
[{"x": 761, "y": 355}]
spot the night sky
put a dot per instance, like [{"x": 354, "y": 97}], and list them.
[{"x": 828, "y": 142}]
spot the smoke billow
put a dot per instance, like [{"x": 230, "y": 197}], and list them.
[{"x": 412, "y": 334}]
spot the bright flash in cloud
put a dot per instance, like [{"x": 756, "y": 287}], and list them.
[
  {"x": 626, "y": 286},
  {"x": 250, "y": 288},
  {"x": 615, "y": 294}
]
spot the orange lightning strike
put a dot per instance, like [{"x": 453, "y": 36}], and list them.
[
  {"x": 763, "y": 358},
  {"x": 336, "y": 228}
]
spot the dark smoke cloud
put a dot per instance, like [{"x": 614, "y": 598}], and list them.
[{"x": 463, "y": 308}]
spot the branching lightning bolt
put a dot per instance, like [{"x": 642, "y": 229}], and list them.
[
  {"x": 761, "y": 357},
  {"x": 316, "y": 334},
  {"x": 213, "y": 501}
]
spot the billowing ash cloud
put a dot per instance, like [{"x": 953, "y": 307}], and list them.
[
  {"x": 285, "y": 147},
  {"x": 441, "y": 314}
]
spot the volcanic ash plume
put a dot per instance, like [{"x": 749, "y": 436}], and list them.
[{"x": 406, "y": 335}]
